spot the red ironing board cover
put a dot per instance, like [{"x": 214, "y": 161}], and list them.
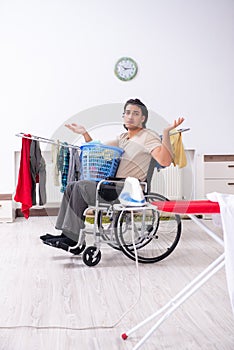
[{"x": 189, "y": 207}]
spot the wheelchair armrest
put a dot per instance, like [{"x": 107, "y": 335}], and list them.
[{"x": 115, "y": 178}]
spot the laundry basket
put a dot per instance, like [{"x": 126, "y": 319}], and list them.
[{"x": 99, "y": 161}]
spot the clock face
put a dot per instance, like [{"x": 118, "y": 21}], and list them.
[{"x": 125, "y": 68}]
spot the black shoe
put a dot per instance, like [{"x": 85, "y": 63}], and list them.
[
  {"x": 66, "y": 244},
  {"x": 55, "y": 240},
  {"x": 49, "y": 236}
]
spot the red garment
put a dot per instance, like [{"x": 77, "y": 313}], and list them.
[{"x": 24, "y": 186}]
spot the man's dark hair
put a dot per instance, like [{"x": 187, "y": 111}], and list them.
[{"x": 141, "y": 105}]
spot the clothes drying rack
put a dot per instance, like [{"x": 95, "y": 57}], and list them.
[
  {"x": 45, "y": 140},
  {"x": 65, "y": 144},
  {"x": 190, "y": 208}
]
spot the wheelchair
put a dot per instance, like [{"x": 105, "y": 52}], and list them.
[{"x": 141, "y": 233}]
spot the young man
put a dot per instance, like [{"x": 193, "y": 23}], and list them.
[{"x": 139, "y": 144}]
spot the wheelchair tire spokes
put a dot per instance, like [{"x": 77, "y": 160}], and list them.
[
  {"x": 155, "y": 236},
  {"x": 142, "y": 233}
]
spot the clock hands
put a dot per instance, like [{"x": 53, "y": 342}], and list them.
[{"x": 125, "y": 68}]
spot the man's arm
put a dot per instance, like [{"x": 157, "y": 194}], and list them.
[
  {"x": 79, "y": 129},
  {"x": 163, "y": 154}
]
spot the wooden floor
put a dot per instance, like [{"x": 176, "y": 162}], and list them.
[{"x": 45, "y": 287}]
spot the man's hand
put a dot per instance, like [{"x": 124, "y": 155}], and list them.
[
  {"x": 78, "y": 129},
  {"x": 175, "y": 124}
]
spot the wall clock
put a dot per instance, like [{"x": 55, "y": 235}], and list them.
[{"x": 126, "y": 68}]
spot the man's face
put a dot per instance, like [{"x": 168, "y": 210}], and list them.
[{"x": 133, "y": 117}]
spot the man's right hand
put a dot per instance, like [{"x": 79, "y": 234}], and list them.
[{"x": 78, "y": 129}]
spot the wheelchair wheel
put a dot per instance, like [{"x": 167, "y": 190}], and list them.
[
  {"x": 92, "y": 256},
  {"x": 155, "y": 234}
]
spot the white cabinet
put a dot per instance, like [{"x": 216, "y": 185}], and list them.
[
  {"x": 218, "y": 173},
  {"x": 7, "y": 212}
]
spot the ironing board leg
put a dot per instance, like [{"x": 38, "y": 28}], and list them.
[
  {"x": 181, "y": 297},
  {"x": 201, "y": 223}
]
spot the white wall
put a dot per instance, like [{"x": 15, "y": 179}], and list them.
[{"x": 57, "y": 59}]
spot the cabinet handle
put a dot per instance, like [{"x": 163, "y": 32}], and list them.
[
  {"x": 230, "y": 166},
  {"x": 231, "y": 183}
]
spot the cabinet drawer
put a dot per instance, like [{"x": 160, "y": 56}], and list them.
[
  {"x": 215, "y": 170},
  {"x": 6, "y": 211},
  {"x": 222, "y": 186}
]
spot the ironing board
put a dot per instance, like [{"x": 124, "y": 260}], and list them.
[{"x": 190, "y": 208}]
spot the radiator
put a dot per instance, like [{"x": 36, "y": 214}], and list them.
[{"x": 168, "y": 182}]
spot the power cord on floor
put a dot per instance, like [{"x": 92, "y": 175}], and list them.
[{"x": 93, "y": 327}]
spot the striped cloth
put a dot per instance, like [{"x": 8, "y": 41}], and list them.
[{"x": 63, "y": 164}]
